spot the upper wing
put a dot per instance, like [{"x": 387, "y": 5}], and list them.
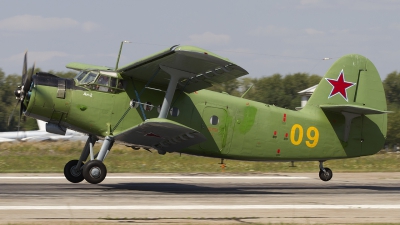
[
  {"x": 201, "y": 68},
  {"x": 83, "y": 66},
  {"x": 161, "y": 134}
]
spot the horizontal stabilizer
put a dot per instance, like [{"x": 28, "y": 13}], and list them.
[
  {"x": 161, "y": 134},
  {"x": 353, "y": 109}
]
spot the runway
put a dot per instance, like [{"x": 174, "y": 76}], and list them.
[{"x": 201, "y": 199}]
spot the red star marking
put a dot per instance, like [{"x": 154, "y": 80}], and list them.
[{"x": 340, "y": 86}]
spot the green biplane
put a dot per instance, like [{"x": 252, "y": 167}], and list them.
[{"x": 159, "y": 103}]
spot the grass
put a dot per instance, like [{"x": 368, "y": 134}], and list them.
[{"x": 49, "y": 157}]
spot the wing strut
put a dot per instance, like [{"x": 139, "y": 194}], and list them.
[{"x": 176, "y": 75}]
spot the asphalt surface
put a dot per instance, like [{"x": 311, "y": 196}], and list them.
[{"x": 202, "y": 199}]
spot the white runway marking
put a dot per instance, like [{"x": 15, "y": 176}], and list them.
[
  {"x": 164, "y": 177},
  {"x": 199, "y": 207}
]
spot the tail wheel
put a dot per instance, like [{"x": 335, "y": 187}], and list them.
[
  {"x": 94, "y": 171},
  {"x": 327, "y": 175},
  {"x": 73, "y": 174}
]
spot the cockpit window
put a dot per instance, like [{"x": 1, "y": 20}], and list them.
[
  {"x": 103, "y": 83},
  {"x": 103, "y": 80},
  {"x": 80, "y": 75},
  {"x": 89, "y": 78}
]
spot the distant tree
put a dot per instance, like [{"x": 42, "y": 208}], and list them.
[
  {"x": 9, "y": 102},
  {"x": 391, "y": 85},
  {"x": 269, "y": 90},
  {"x": 393, "y": 126},
  {"x": 298, "y": 82},
  {"x": 282, "y": 91},
  {"x": 69, "y": 74},
  {"x": 231, "y": 87}
]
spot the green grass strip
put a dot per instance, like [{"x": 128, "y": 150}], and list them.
[{"x": 50, "y": 157}]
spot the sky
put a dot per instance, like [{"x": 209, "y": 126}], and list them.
[{"x": 264, "y": 37}]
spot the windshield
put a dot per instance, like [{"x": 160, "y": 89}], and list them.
[
  {"x": 89, "y": 78},
  {"x": 80, "y": 75}
]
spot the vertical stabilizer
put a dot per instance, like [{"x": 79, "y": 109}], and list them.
[
  {"x": 352, "y": 98},
  {"x": 351, "y": 80}
]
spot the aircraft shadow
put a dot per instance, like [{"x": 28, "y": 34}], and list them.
[
  {"x": 278, "y": 189},
  {"x": 177, "y": 188}
]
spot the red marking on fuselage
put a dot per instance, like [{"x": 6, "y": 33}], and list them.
[
  {"x": 284, "y": 117},
  {"x": 213, "y": 129}
]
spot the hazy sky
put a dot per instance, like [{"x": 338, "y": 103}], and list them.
[{"x": 264, "y": 37}]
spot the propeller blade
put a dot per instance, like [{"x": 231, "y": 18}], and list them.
[
  {"x": 12, "y": 113},
  {"x": 24, "y": 68},
  {"x": 19, "y": 121},
  {"x": 28, "y": 81}
]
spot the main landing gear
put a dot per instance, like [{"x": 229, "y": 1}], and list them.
[
  {"x": 325, "y": 174},
  {"x": 93, "y": 171}
]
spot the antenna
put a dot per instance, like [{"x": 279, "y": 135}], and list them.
[
  {"x": 247, "y": 91},
  {"x": 119, "y": 54}
]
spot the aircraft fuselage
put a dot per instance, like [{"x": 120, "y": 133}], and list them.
[{"x": 235, "y": 128}]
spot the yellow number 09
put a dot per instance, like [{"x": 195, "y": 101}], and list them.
[
  {"x": 312, "y": 135},
  {"x": 313, "y": 138},
  {"x": 293, "y": 132}
]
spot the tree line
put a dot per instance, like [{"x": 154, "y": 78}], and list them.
[{"x": 276, "y": 89}]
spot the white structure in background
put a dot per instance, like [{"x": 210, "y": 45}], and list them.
[
  {"x": 40, "y": 135},
  {"x": 306, "y": 94}
]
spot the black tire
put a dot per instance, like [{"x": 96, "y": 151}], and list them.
[
  {"x": 94, "y": 171},
  {"x": 70, "y": 172},
  {"x": 327, "y": 175}
]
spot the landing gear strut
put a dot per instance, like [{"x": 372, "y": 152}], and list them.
[
  {"x": 94, "y": 171},
  {"x": 325, "y": 174}
]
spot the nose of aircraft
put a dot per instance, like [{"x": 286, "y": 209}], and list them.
[
  {"x": 22, "y": 90},
  {"x": 17, "y": 92}
]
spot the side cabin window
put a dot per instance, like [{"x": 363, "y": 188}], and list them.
[
  {"x": 102, "y": 83},
  {"x": 109, "y": 84}
]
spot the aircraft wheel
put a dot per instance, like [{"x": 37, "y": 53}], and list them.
[
  {"x": 327, "y": 175},
  {"x": 94, "y": 171},
  {"x": 71, "y": 173}
]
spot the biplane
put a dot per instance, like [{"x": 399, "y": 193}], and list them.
[{"x": 161, "y": 103}]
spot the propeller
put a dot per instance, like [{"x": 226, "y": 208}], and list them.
[{"x": 22, "y": 90}]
